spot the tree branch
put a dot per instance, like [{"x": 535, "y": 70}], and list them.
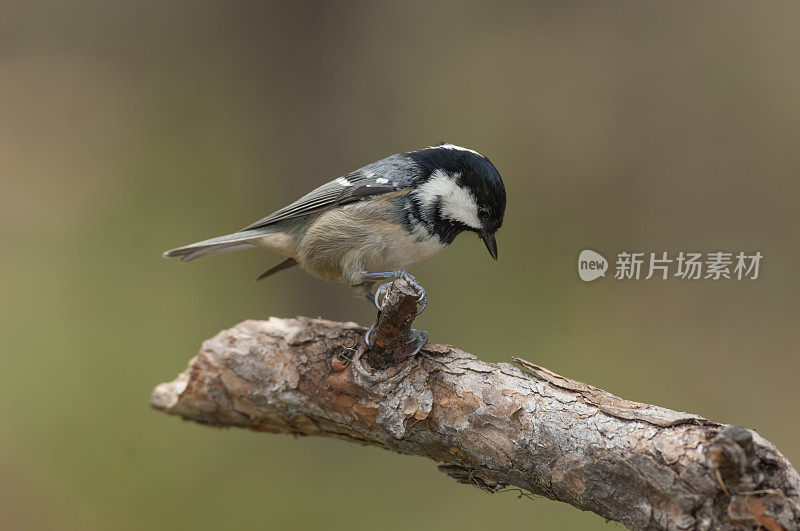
[{"x": 493, "y": 425}]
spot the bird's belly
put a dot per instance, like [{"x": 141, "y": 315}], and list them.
[
  {"x": 346, "y": 243},
  {"x": 401, "y": 250}
]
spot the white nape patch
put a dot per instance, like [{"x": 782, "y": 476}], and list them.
[
  {"x": 458, "y": 148},
  {"x": 343, "y": 182},
  {"x": 381, "y": 180},
  {"x": 458, "y": 204}
]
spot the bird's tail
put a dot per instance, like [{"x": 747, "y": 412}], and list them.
[{"x": 221, "y": 244}]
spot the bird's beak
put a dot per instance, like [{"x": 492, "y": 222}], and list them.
[{"x": 491, "y": 243}]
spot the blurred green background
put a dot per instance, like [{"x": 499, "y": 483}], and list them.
[{"x": 127, "y": 128}]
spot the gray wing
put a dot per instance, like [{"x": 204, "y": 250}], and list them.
[{"x": 388, "y": 175}]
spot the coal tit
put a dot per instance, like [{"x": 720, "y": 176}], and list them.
[{"x": 375, "y": 223}]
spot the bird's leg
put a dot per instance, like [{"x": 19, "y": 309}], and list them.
[
  {"x": 420, "y": 338},
  {"x": 394, "y": 275},
  {"x": 365, "y": 290}
]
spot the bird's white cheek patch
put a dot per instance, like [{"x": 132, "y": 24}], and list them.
[
  {"x": 461, "y": 207},
  {"x": 458, "y": 204}
]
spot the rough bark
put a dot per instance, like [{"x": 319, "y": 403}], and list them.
[{"x": 492, "y": 425}]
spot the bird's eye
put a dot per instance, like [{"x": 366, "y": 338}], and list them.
[{"x": 483, "y": 212}]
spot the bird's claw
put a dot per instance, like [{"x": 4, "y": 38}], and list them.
[
  {"x": 420, "y": 337},
  {"x": 380, "y": 293},
  {"x": 422, "y": 300}
]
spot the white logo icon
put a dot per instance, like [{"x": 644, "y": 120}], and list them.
[{"x": 591, "y": 265}]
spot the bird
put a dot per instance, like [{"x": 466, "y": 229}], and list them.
[{"x": 374, "y": 224}]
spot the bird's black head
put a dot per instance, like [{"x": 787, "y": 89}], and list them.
[{"x": 460, "y": 190}]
